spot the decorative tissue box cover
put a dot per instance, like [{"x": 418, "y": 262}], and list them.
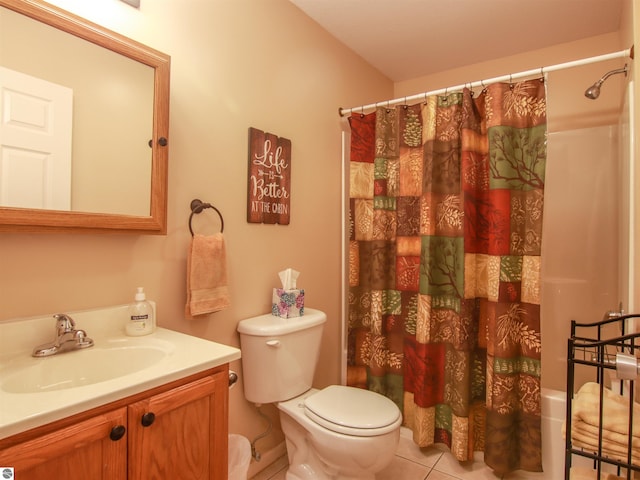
[{"x": 287, "y": 303}]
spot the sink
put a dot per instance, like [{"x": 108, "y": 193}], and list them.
[{"x": 82, "y": 367}]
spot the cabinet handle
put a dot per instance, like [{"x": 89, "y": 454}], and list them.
[
  {"x": 148, "y": 418},
  {"x": 117, "y": 432}
]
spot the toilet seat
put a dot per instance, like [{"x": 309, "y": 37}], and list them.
[{"x": 352, "y": 411}]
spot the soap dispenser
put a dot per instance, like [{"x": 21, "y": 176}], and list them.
[{"x": 141, "y": 320}]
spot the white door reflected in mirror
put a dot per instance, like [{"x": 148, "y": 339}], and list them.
[{"x": 35, "y": 142}]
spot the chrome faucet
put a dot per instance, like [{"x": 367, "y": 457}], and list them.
[{"x": 67, "y": 338}]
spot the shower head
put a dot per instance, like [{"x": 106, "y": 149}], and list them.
[{"x": 593, "y": 91}]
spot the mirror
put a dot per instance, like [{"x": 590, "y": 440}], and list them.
[{"x": 118, "y": 96}]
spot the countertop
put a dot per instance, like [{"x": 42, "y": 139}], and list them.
[{"x": 185, "y": 355}]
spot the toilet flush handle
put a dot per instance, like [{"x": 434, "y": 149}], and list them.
[{"x": 274, "y": 343}]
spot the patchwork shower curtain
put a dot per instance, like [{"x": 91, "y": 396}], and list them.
[{"x": 446, "y": 205}]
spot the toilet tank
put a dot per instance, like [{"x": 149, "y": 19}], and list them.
[{"x": 279, "y": 355}]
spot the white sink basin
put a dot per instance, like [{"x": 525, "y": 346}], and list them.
[{"x": 86, "y": 366}]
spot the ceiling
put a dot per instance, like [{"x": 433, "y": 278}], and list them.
[{"x": 407, "y": 39}]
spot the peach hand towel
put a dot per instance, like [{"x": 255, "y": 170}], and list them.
[{"x": 207, "y": 289}]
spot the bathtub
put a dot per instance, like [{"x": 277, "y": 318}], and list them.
[{"x": 553, "y": 404}]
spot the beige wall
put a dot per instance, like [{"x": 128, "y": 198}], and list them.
[{"x": 235, "y": 64}]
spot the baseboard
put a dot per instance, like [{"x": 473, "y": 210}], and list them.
[{"x": 267, "y": 459}]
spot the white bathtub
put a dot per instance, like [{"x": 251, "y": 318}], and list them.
[{"x": 554, "y": 404}]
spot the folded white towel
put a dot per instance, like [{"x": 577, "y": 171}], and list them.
[
  {"x": 585, "y": 423},
  {"x": 586, "y": 405}
]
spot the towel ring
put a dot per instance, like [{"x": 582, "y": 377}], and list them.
[{"x": 198, "y": 206}]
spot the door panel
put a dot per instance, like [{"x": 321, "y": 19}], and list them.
[
  {"x": 79, "y": 452},
  {"x": 35, "y": 142}
]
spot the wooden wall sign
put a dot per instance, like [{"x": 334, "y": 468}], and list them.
[{"x": 269, "y": 187}]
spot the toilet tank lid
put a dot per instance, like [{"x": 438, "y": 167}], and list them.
[{"x": 268, "y": 325}]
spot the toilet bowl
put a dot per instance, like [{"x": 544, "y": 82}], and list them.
[
  {"x": 322, "y": 448},
  {"x": 337, "y": 433}
]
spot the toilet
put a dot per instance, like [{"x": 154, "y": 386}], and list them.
[{"x": 336, "y": 433}]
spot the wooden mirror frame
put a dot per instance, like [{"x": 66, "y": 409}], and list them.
[{"x": 37, "y": 220}]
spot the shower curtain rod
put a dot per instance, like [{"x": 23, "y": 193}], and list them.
[{"x": 482, "y": 83}]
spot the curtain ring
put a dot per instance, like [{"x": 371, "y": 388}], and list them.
[
  {"x": 484, "y": 89},
  {"x": 446, "y": 92},
  {"x": 362, "y": 111},
  {"x": 405, "y": 106},
  {"x": 388, "y": 107},
  {"x": 425, "y": 98},
  {"x": 511, "y": 82},
  {"x": 542, "y": 74}
]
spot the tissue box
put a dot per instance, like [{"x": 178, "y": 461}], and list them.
[{"x": 287, "y": 303}]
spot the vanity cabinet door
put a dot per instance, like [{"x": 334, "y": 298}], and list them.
[
  {"x": 91, "y": 449},
  {"x": 181, "y": 433}
]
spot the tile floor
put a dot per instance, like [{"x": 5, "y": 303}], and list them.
[{"x": 413, "y": 463}]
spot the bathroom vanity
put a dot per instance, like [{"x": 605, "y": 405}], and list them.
[
  {"x": 84, "y": 414},
  {"x": 179, "y": 427}
]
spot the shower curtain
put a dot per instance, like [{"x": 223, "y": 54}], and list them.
[{"x": 445, "y": 220}]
